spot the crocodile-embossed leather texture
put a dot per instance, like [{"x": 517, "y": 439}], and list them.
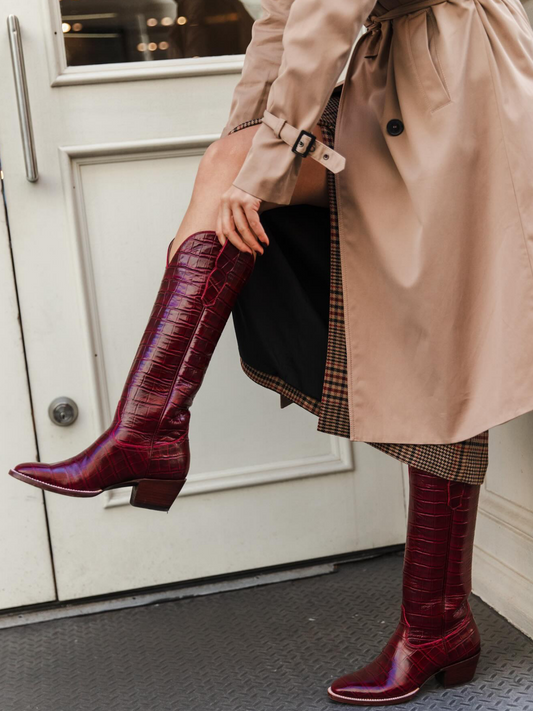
[
  {"x": 436, "y": 633},
  {"x": 148, "y": 437}
]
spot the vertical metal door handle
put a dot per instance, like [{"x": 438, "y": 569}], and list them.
[{"x": 23, "y": 101}]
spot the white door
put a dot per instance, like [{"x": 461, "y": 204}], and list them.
[{"x": 125, "y": 97}]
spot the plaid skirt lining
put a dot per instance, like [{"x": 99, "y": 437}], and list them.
[{"x": 465, "y": 461}]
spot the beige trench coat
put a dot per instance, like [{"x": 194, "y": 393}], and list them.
[{"x": 433, "y": 166}]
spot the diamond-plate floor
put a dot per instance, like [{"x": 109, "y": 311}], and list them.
[{"x": 271, "y": 648}]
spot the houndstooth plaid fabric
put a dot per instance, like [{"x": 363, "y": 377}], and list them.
[{"x": 465, "y": 461}]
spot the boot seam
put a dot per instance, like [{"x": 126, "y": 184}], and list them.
[
  {"x": 204, "y": 309},
  {"x": 178, "y": 369},
  {"x": 445, "y": 581}
]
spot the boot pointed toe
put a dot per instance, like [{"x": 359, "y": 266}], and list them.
[
  {"x": 34, "y": 472},
  {"x": 373, "y": 684},
  {"x": 49, "y": 478}
]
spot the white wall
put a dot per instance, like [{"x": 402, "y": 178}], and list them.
[{"x": 503, "y": 556}]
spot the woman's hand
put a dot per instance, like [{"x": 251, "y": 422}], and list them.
[{"x": 238, "y": 220}]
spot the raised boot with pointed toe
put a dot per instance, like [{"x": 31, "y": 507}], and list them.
[
  {"x": 436, "y": 633},
  {"x": 146, "y": 445}
]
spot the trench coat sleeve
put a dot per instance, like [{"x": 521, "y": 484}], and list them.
[
  {"x": 261, "y": 64},
  {"x": 317, "y": 41}
]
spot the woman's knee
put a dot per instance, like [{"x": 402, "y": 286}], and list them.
[{"x": 228, "y": 151}]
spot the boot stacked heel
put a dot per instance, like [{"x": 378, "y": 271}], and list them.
[
  {"x": 458, "y": 673},
  {"x": 155, "y": 494}
]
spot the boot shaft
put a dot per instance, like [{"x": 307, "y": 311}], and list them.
[
  {"x": 438, "y": 554},
  {"x": 460, "y": 552},
  {"x": 194, "y": 301}
]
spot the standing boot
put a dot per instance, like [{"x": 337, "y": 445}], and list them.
[
  {"x": 436, "y": 633},
  {"x": 146, "y": 445}
]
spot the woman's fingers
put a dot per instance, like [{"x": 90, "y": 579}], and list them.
[
  {"x": 228, "y": 227},
  {"x": 241, "y": 222},
  {"x": 251, "y": 205},
  {"x": 255, "y": 224},
  {"x": 238, "y": 220}
]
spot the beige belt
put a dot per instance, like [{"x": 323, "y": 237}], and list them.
[
  {"x": 304, "y": 143},
  {"x": 373, "y": 22}
]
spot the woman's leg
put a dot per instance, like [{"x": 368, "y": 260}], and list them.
[{"x": 218, "y": 169}]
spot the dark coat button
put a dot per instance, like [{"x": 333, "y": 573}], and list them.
[{"x": 395, "y": 127}]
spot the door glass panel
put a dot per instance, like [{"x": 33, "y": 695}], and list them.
[{"x": 109, "y": 31}]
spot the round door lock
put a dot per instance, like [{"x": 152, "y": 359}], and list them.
[{"x": 63, "y": 411}]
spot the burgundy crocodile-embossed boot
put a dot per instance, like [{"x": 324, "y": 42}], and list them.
[
  {"x": 436, "y": 633},
  {"x": 146, "y": 445}
]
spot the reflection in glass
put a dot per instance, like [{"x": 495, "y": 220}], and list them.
[{"x": 110, "y": 31}]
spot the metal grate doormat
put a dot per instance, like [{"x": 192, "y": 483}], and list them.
[{"x": 272, "y": 648}]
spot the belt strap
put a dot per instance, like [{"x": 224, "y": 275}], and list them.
[
  {"x": 305, "y": 144},
  {"x": 373, "y": 22}
]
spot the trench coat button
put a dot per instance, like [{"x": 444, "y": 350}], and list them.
[{"x": 395, "y": 127}]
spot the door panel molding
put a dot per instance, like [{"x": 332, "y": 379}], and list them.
[
  {"x": 137, "y": 150},
  {"x": 146, "y": 71},
  {"x": 72, "y": 160},
  {"x": 340, "y": 459}
]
